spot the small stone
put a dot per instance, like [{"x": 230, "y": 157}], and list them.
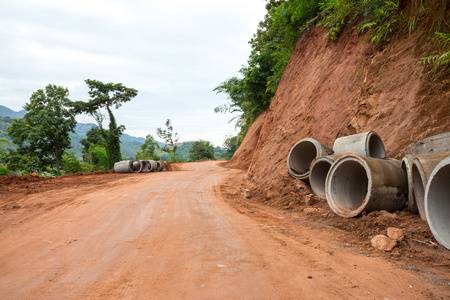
[
  {"x": 247, "y": 193},
  {"x": 395, "y": 234},
  {"x": 384, "y": 243}
]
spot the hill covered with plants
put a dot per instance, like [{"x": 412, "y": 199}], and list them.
[{"x": 379, "y": 21}]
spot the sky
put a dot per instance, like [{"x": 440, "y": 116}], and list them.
[{"x": 174, "y": 52}]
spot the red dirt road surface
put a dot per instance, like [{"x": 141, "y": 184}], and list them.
[{"x": 174, "y": 235}]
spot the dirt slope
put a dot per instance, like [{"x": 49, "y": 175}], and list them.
[{"x": 335, "y": 89}]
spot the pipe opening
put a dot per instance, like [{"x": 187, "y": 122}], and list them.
[
  {"x": 301, "y": 157},
  {"x": 318, "y": 178},
  {"x": 438, "y": 204},
  {"x": 349, "y": 185},
  {"x": 419, "y": 189},
  {"x": 376, "y": 147},
  {"x": 136, "y": 166}
]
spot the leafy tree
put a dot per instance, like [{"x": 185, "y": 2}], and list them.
[
  {"x": 70, "y": 162},
  {"x": 201, "y": 150},
  {"x": 43, "y": 133},
  {"x": 170, "y": 138},
  {"x": 20, "y": 162},
  {"x": 107, "y": 95},
  {"x": 148, "y": 149},
  {"x": 93, "y": 138}
]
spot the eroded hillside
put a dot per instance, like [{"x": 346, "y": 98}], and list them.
[{"x": 333, "y": 89}]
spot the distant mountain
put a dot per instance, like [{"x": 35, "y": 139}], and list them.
[
  {"x": 129, "y": 144},
  {"x": 5, "y": 111}
]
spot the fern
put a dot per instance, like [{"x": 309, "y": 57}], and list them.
[{"x": 441, "y": 60}]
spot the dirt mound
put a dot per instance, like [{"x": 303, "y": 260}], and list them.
[{"x": 242, "y": 158}]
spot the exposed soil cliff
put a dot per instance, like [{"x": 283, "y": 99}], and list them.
[{"x": 333, "y": 89}]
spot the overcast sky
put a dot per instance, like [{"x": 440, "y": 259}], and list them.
[{"x": 174, "y": 52}]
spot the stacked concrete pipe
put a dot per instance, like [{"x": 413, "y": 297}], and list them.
[
  {"x": 318, "y": 173},
  {"x": 407, "y": 163},
  {"x": 357, "y": 183},
  {"x": 434, "y": 144},
  {"x": 422, "y": 167},
  {"x": 437, "y": 202},
  {"x": 366, "y": 144},
  {"x": 301, "y": 156}
]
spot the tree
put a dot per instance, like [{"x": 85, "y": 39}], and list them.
[
  {"x": 170, "y": 138},
  {"x": 201, "y": 150},
  {"x": 43, "y": 133},
  {"x": 148, "y": 149},
  {"x": 106, "y": 95},
  {"x": 93, "y": 138}
]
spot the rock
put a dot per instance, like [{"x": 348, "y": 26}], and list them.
[
  {"x": 384, "y": 243},
  {"x": 395, "y": 234},
  {"x": 247, "y": 193}
]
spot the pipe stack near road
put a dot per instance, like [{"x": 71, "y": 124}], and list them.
[
  {"x": 138, "y": 166},
  {"x": 355, "y": 176}
]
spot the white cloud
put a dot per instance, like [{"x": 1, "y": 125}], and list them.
[{"x": 174, "y": 52}]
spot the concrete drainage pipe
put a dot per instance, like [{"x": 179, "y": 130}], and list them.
[
  {"x": 145, "y": 166},
  {"x": 422, "y": 167},
  {"x": 437, "y": 202},
  {"x": 407, "y": 163},
  {"x": 136, "y": 166},
  {"x": 318, "y": 173},
  {"x": 301, "y": 156},
  {"x": 366, "y": 144},
  {"x": 122, "y": 166},
  {"x": 357, "y": 183},
  {"x": 152, "y": 165},
  {"x": 159, "y": 166},
  {"x": 434, "y": 144}
]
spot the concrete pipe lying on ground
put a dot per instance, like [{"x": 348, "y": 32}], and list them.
[
  {"x": 152, "y": 165},
  {"x": 122, "y": 166},
  {"x": 357, "y": 183},
  {"x": 136, "y": 166},
  {"x": 145, "y": 166},
  {"x": 422, "y": 167},
  {"x": 318, "y": 173},
  {"x": 301, "y": 156},
  {"x": 437, "y": 202},
  {"x": 434, "y": 144},
  {"x": 159, "y": 166},
  {"x": 366, "y": 144},
  {"x": 407, "y": 163},
  {"x": 128, "y": 166}
]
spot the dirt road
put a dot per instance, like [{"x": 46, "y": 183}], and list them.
[{"x": 171, "y": 235}]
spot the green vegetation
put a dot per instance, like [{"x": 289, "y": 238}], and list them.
[
  {"x": 42, "y": 135},
  {"x": 201, "y": 150},
  {"x": 148, "y": 149},
  {"x": 231, "y": 144},
  {"x": 170, "y": 139},
  {"x": 440, "y": 61},
  {"x": 277, "y": 35},
  {"x": 106, "y": 95}
]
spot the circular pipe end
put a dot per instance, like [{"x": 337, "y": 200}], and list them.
[
  {"x": 374, "y": 145},
  {"x": 437, "y": 202},
  {"x": 348, "y": 186},
  {"x": 318, "y": 176},
  {"x": 301, "y": 156}
]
